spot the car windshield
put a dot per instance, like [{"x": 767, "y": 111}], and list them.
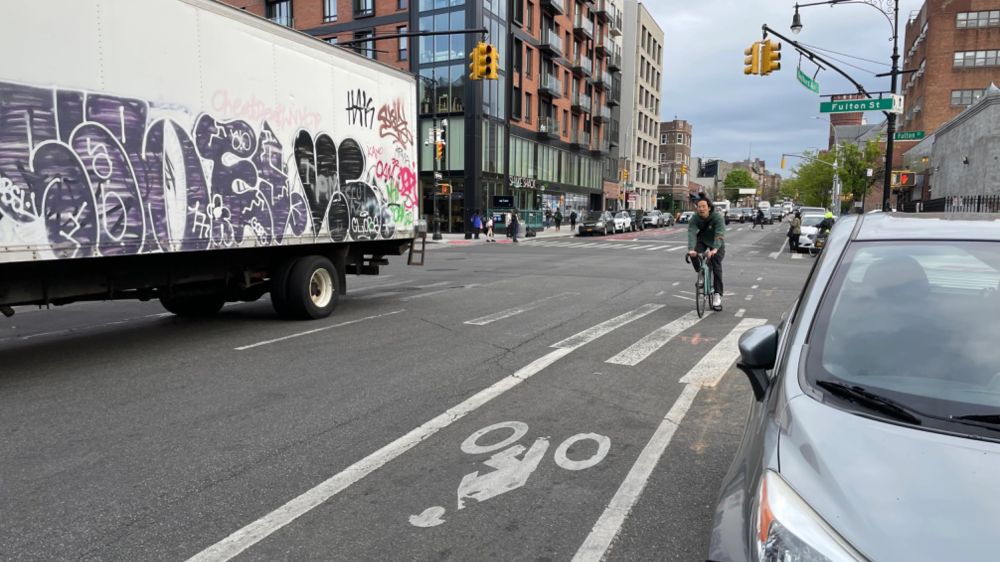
[
  {"x": 812, "y": 220},
  {"x": 916, "y": 323},
  {"x": 594, "y": 216}
]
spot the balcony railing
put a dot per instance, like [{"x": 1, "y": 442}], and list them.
[
  {"x": 615, "y": 61},
  {"x": 615, "y": 25},
  {"x": 583, "y": 25},
  {"x": 600, "y": 146},
  {"x": 548, "y": 126},
  {"x": 581, "y": 101},
  {"x": 603, "y": 9},
  {"x": 557, "y": 6},
  {"x": 604, "y": 113},
  {"x": 551, "y": 41},
  {"x": 583, "y": 64},
  {"x": 548, "y": 84},
  {"x": 580, "y": 138}
]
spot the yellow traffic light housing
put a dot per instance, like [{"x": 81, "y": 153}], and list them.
[
  {"x": 752, "y": 60},
  {"x": 770, "y": 57},
  {"x": 625, "y": 174},
  {"x": 439, "y": 151},
  {"x": 484, "y": 62},
  {"x": 474, "y": 70},
  {"x": 684, "y": 169}
]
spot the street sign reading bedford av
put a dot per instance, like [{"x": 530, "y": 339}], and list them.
[
  {"x": 908, "y": 135},
  {"x": 892, "y": 104},
  {"x": 808, "y": 82}
]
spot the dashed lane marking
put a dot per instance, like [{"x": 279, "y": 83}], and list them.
[
  {"x": 489, "y": 319},
  {"x": 317, "y": 330}
]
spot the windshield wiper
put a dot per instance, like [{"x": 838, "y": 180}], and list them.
[
  {"x": 870, "y": 400},
  {"x": 988, "y": 421}
]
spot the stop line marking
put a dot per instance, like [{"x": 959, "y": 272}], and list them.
[{"x": 246, "y": 537}]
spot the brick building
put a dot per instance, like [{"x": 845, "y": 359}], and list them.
[
  {"x": 675, "y": 164},
  {"x": 554, "y": 106},
  {"x": 955, "y": 47}
]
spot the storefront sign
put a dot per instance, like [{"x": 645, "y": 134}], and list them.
[
  {"x": 503, "y": 202},
  {"x": 523, "y": 183}
]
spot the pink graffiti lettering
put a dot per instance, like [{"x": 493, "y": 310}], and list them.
[
  {"x": 394, "y": 124},
  {"x": 386, "y": 170},
  {"x": 255, "y": 110},
  {"x": 408, "y": 187},
  {"x": 375, "y": 152}
]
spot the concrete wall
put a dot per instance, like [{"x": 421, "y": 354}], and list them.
[{"x": 973, "y": 136}]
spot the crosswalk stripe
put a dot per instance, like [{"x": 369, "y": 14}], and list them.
[
  {"x": 599, "y": 330},
  {"x": 710, "y": 370},
  {"x": 796, "y": 256},
  {"x": 640, "y": 350},
  {"x": 675, "y": 249}
]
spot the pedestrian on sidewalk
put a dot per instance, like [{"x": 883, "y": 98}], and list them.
[
  {"x": 572, "y": 221},
  {"x": 489, "y": 230},
  {"x": 477, "y": 224},
  {"x": 515, "y": 224},
  {"x": 559, "y": 219},
  {"x": 794, "y": 231}
]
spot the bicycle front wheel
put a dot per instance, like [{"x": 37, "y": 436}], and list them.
[{"x": 700, "y": 301}]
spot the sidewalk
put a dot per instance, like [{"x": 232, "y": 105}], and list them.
[{"x": 459, "y": 239}]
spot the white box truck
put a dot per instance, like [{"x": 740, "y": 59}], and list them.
[{"x": 190, "y": 152}]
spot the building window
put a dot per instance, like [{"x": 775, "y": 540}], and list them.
[
  {"x": 970, "y": 59},
  {"x": 680, "y": 138},
  {"x": 529, "y": 19},
  {"x": 364, "y": 8},
  {"x": 280, "y": 12},
  {"x": 527, "y": 107},
  {"x": 965, "y": 97},
  {"x": 515, "y": 110},
  {"x": 329, "y": 10},
  {"x": 404, "y": 44},
  {"x": 529, "y": 63},
  {"x": 664, "y": 138},
  {"x": 970, "y": 20},
  {"x": 518, "y": 11},
  {"x": 402, "y": 4},
  {"x": 366, "y": 48},
  {"x": 332, "y": 40}
]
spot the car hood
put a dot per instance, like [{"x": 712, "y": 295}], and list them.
[
  {"x": 809, "y": 229},
  {"x": 894, "y": 492}
]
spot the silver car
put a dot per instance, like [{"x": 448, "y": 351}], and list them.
[{"x": 875, "y": 433}]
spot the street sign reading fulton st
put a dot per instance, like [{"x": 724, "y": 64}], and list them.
[
  {"x": 908, "y": 135},
  {"x": 892, "y": 104}
]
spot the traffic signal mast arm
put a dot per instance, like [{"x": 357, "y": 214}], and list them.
[{"x": 804, "y": 157}]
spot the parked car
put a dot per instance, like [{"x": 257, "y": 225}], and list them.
[
  {"x": 596, "y": 222},
  {"x": 746, "y": 214},
  {"x": 733, "y": 214},
  {"x": 809, "y": 231},
  {"x": 685, "y": 217},
  {"x": 668, "y": 219},
  {"x": 622, "y": 222},
  {"x": 811, "y": 210},
  {"x": 653, "y": 219},
  {"x": 777, "y": 214},
  {"x": 637, "y": 216},
  {"x": 879, "y": 389}
]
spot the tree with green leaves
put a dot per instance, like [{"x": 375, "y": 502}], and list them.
[
  {"x": 812, "y": 181},
  {"x": 736, "y": 180}
]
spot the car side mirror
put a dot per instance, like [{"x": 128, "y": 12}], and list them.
[{"x": 758, "y": 353}]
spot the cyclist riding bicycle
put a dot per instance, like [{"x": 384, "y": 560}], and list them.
[{"x": 707, "y": 232}]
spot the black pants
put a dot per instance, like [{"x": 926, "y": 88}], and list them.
[
  {"x": 793, "y": 242},
  {"x": 715, "y": 263},
  {"x": 476, "y": 231}
]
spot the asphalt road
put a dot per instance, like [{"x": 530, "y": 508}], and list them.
[{"x": 545, "y": 401}]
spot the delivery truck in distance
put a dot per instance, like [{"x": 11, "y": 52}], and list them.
[{"x": 190, "y": 152}]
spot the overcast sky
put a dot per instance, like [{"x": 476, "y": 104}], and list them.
[{"x": 704, "y": 83}]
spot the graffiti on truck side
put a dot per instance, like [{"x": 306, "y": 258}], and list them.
[{"x": 88, "y": 174}]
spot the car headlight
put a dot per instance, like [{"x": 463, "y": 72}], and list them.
[
  {"x": 599, "y": 223},
  {"x": 786, "y": 529}
]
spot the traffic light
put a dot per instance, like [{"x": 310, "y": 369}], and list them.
[
  {"x": 752, "y": 60},
  {"x": 445, "y": 189},
  {"x": 625, "y": 174},
  {"x": 484, "y": 62},
  {"x": 770, "y": 57},
  {"x": 474, "y": 71},
  {"x": 684, "y": 168},
  {"x": 439, "y": 151},
  {"x": 782, "y": 161},
  {"x": 907, "y": 179}
]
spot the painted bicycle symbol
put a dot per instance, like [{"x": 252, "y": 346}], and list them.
[{"x": 511, "y": 466}]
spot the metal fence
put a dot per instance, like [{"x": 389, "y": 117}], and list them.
[{"x": 956, "y": 204}]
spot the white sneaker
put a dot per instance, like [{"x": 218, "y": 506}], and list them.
[{"x": 716, "y": 301}]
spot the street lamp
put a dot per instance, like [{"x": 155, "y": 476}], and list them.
[{"x": 889, "y": 9}]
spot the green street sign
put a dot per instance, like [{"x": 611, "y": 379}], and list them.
[
  {"x": 893, "y": 104},
  {"x": 807, "y": 81},
  {"x": 908, "y": 135}
]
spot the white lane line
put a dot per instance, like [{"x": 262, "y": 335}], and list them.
[
  {"x": 760, "y": 278},
  {"x": 639, "y": 247},
  {"x": 796, "y": 256},
  {"x": 659, "y": 294},
  {"x": 754, "y": 286},
  {"x": 749, "y": 297},
  {"x": 438, "y": 284},
  {"x": 774, "y": 255},
  {"x": 610, "y": 523},
  {"x": 676, "y": 283},
  {"x": 741, "y": 312},
  {"x": 707, "y": 372},
  {"x": 683, "y": 297},
  {"x": 244, "y": 538},
  {"x": 677, "y": 248},
  {"x": 713, "y": 365},
  {"x": 654, "y": 248},
  {"x": 599, "y": 330},
  {"x": 324, "y": 328},
  {"x": 432, "y": 293},
  {"x": 640, "y": 350},
  {"x": 370, "y": 287},
  {"x": 489, "y": 319}
]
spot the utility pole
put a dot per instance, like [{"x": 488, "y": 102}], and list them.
[{"x": 891, "y": 128}]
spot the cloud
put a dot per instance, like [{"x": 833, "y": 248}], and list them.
[{"x": 703, "y": 80}]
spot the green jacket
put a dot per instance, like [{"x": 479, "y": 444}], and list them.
[{"x": 713, "y": 230}]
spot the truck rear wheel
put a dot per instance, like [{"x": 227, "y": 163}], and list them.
[
  {"x": 312, "y": 288},
  {"x": 193, "y": 305}
]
